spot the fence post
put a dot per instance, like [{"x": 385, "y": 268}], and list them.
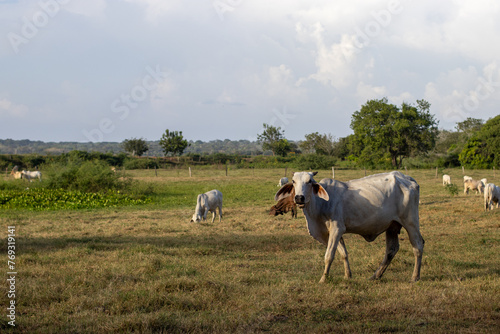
[
  {"x": 156, "y": 171},
  {"x": 189, "y": 171},
  {"x": 333, "y": 172},
  {"x": 226, "y": 170},
  {"x": 436, "y": 172},
  {"x": 463, "y": 170}
]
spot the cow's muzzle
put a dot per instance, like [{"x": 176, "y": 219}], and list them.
[{"x": 300, "y": 200}]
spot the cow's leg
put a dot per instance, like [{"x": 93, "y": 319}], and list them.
[
  {"x": 336, "y": 232},
  {"x": 417, "y": 243},
  {"x": 343, "y": 252},
  {"x": 220, "y": 214},
  {"x": 391, "y": 248},
  {"x": 214, "y": 213}
]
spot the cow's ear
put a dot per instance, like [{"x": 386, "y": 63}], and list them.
[
  {"x": 320, "y": 191},
  {"x": 284, "y": 192}
]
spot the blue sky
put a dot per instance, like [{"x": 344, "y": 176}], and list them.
[{"x": 99, "y": 70}]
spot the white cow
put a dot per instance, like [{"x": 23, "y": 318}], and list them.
[
  {"x": 209, "y": 201},
  {"x": 467, "y": 178},
  {"x": 446, "y": 179},
  {"x": 491, "y": 196},
  {"x": 369, "y": 207},
  {"x": 283, "y": 181},
  {"x": 32, "y": 175},
  {"x": 473, "y": 185}
]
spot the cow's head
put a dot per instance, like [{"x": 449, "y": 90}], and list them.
[
  {"x": 302, "y": 188},
  {"x": 196, "y": 218}
]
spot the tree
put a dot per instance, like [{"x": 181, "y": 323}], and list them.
[
  {"x": 382, "y": 129},
  {"x": 469, "y": 126},
  {"x": 172, "y": 142},
  {"x": 282, "y": 147},
  {"x": 273, "y": 139},
  {"x": 324, "y": 144},
  {"x": 135, "y": 146},
  {"x": 482, "y": 150}
]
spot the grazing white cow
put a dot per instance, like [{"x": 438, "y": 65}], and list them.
[
  {"x": 473, "y": 185},
  {"x": 209, "y": 201},
  {"x": 369, "y": 207},
  {"x": 491, "y": 196},
  {"x": 32, "y": 175},
  {"x": 283, "y": 181},
  {"x": 446, "y": 179}
]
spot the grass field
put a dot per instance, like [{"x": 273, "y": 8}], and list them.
[{"x": 146, "y": 269}]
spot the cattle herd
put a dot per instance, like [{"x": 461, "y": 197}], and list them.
[
  {"x": 490, "y": 191},
  {"x": 27, "y": 175},
  {"x": 370, "y": 206}
]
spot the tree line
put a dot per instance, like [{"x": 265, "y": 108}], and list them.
[{"x": 384, "y": 135}]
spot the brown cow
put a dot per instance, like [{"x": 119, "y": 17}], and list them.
[{"x": 283, "y": 206}]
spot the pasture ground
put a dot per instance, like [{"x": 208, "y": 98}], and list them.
[{"x": 147, "y": 269}]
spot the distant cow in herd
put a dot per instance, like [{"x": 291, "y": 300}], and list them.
[
  {"x": 471, "y": 184},
  {"x": 32, "y": 175},
  {"x": 491, "y": 196},
  {"x": 283, "y": 181},
  {"x": 446, "y": 179}
]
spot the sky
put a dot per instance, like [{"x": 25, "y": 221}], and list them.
[{"x": 110, "y": 70}]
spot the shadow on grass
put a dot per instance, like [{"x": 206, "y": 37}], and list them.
[{"x": 204, "y": 245}]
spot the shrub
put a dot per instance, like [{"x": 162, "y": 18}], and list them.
[
  {"x": 88, "y": 176},
  {"x": 314, "y": 161},
  {"x": 452, "y": 189},
  {"x": 133, "y": 163}
]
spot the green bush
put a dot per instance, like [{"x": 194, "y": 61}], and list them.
[
  {"x": 314, "y": 161},
  {"x": 452, "y": 189},
  {"x": 87, "y": 176},
  {"x": 134, "y": 163}
]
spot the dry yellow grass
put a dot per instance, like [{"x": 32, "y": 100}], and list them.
[{"x": 148, "y": 270}]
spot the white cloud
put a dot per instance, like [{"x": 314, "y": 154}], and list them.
[
  {"x": 10, "y": 109},
  {"x": 449, "y": 28},
  {"x": 88, "y": 8},
  {"x": 156, "y": 9},
  {"x": 462, "y": 93},
  {"x": 366, "y": 92},
  {"x": 334, "y": 63}
]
